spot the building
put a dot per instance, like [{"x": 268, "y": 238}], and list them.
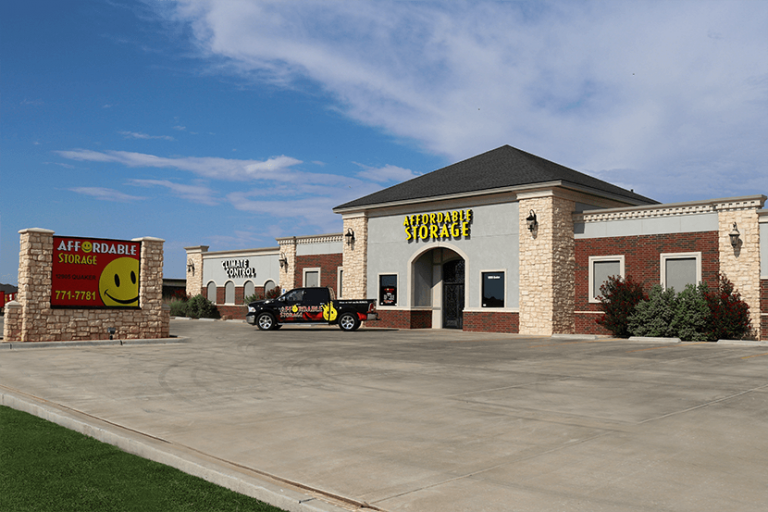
[{"x": 506, "y": 242}]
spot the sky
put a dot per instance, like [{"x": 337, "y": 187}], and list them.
[{"x": 230, "y": 123}]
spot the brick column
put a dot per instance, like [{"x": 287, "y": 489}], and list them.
[
  {"x": 741, "y": 264},
  {"x": 355, "y": 261},
  {"x": 195, "y": 276},
  {"x": 547, "y": 266},
  {"x": 155, "y": 320},
  {"x": 288, "y": 271}
]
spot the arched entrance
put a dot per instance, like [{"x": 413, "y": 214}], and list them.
[
  {"x": 437, "y": 284},
  {"x": 453, "y": 294}
]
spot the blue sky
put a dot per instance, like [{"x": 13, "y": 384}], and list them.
[{"x": 231, "y": 123}]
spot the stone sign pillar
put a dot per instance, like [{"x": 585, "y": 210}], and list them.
[{"x": 31, "y": 317}]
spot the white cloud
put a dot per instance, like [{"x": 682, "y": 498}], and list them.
[
  {"x": 277, "y": 168},
  {"x": 195, "y": 193},
  {"x": 180, "y": 128},
  {"x": 388, "y": 173},
  {"x": 665, "y": 90},
  {"x": 137, "y": 135},
  {"x": 106, "y": 194}
]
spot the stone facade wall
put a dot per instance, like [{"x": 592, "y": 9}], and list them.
[
  {"x": 35, "y": 320},
  {"x": 742, "y": 264},
  {"x": 288, "y": 271},
  {"x": 195, "y": 274},
  {"x": 356, "y": 258},
  {"x": 547, "y": 266}
]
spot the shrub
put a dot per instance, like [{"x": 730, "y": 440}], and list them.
[
  {"x": 200, "y": 307},
  {"x": 729, "y": 315},
  {"x": 178, "y": 307},
  {"x": 618, "y": 300},
  {"x": 653, "y": 315},
  {"x": 691, "y": 316},
  {"x": 271, "y": 294}
]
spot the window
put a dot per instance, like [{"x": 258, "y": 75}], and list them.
[
  {"x": 248, "y": 289},
  {"x": 600, "y": 269},
  {"x": 340, "y": 282},
  {"x": 212, "y": 292},
  {"x": 680, "y": 269},
  {"x": 229, "y": 293},
  {"x": 311, "y": 277},
  {"x": 294, "y": 296},
  {"x": 388, "y": 290},
  {"x": 269, "y": 286},
  {"x": 493, "y": 290}
]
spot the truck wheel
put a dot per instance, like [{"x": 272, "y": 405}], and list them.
[
  {"x": 349, "y": 322},
  {"x": 265, "y": 321}
]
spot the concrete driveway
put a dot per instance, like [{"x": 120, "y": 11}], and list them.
[{"x": 423, "y": 420}]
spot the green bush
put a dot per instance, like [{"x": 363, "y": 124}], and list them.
[
  {"x": 618, "y": 300},
  {"x": 729, "y": 315},
  {"x": 178, "y": 307},
  {"x": 653, "y": 316},
  {"x": 200, "y": 307}
]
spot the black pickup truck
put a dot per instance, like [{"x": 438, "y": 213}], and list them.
[{"x": 310, "y": 306}]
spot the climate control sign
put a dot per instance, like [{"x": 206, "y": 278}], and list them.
[{"x": 93, "y": 273}]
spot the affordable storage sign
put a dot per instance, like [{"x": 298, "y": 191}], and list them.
[{"x": 93, "y": 273}]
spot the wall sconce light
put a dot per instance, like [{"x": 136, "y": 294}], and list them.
[
  {"x": 190, "y": 267},
  {"x": 283, "y": 260},
  {"x": 110, "y": 331},
  {"x": 734, "y": 234},
  {"x": 532, "y": 222},
  {"x": 350, "y": 236}
]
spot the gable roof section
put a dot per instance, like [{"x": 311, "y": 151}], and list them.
[{"x": 499, "y": 168}]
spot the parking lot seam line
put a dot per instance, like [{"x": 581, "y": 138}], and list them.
[{"x": 700, "y": 406}]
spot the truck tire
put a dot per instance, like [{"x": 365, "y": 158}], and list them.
[
  {"x": 349, "y": 322},
  {"x": 266, "y": 321}
]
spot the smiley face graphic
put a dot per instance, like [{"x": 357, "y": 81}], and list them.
[
  {"x": 87, "y": 246},
  {"x": 119, "y": 283}
]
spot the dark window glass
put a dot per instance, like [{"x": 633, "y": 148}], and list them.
[
  {"x": 294, "y": 296},
  {"x": 315, "y": 296},
  {"x": 388, "y": 290},
  {"x": 493, "y": 289},
  {"x": 601, "y": 271}
]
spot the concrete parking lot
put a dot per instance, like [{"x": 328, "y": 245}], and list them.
[{"x": 424, "y": 420}]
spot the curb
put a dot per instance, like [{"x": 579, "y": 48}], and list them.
[
  {"x": 199, "y": 464},
  {"x": 644, "y": 339},
  {"x": 17, "y": 345},
  {"x": 743, "y": 343}
]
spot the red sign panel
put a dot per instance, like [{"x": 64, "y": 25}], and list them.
[{"x": 94, "y": 273}]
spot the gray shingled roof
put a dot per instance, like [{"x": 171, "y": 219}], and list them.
[{"x": 499, "y": 168}]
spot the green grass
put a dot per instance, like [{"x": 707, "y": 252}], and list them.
[{"x": 45, "y": 467}]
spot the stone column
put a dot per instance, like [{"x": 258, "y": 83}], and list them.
[
  {"x": 547, "y": 265},
  {"x": 12, "y": 323},
  {"x": 35, "y": 266},
  {"x": 287, "y": 270},
  {"x": 356, "y": 257},
  {"x": 741, "y": 264},
  {"x": 195, "y": 281},
  {"x": 154, "y": 322}
]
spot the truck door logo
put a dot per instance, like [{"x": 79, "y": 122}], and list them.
[{"x": 329, "y": 312}]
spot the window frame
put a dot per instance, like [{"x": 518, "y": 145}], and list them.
[
  {"x": 208, "y": 291},
  {"x": 378, "y": 289},
  {"x": 234, "y": 293},
  {"x": 503, "y": 272},
  {"x": 304, "y": 272},
  {"x": 663, "y": 257},
  {"x": 597, "y": 259}
]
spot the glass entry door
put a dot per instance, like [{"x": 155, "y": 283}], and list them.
[{"x": 453, "y": 294}]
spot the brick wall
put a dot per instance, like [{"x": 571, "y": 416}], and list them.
[
  {"x": 328, "y": 263},
  {"x": 642, "y": 256},
  {"x": 477, "y": 321},
  {"x": 404, "y": 319}
]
